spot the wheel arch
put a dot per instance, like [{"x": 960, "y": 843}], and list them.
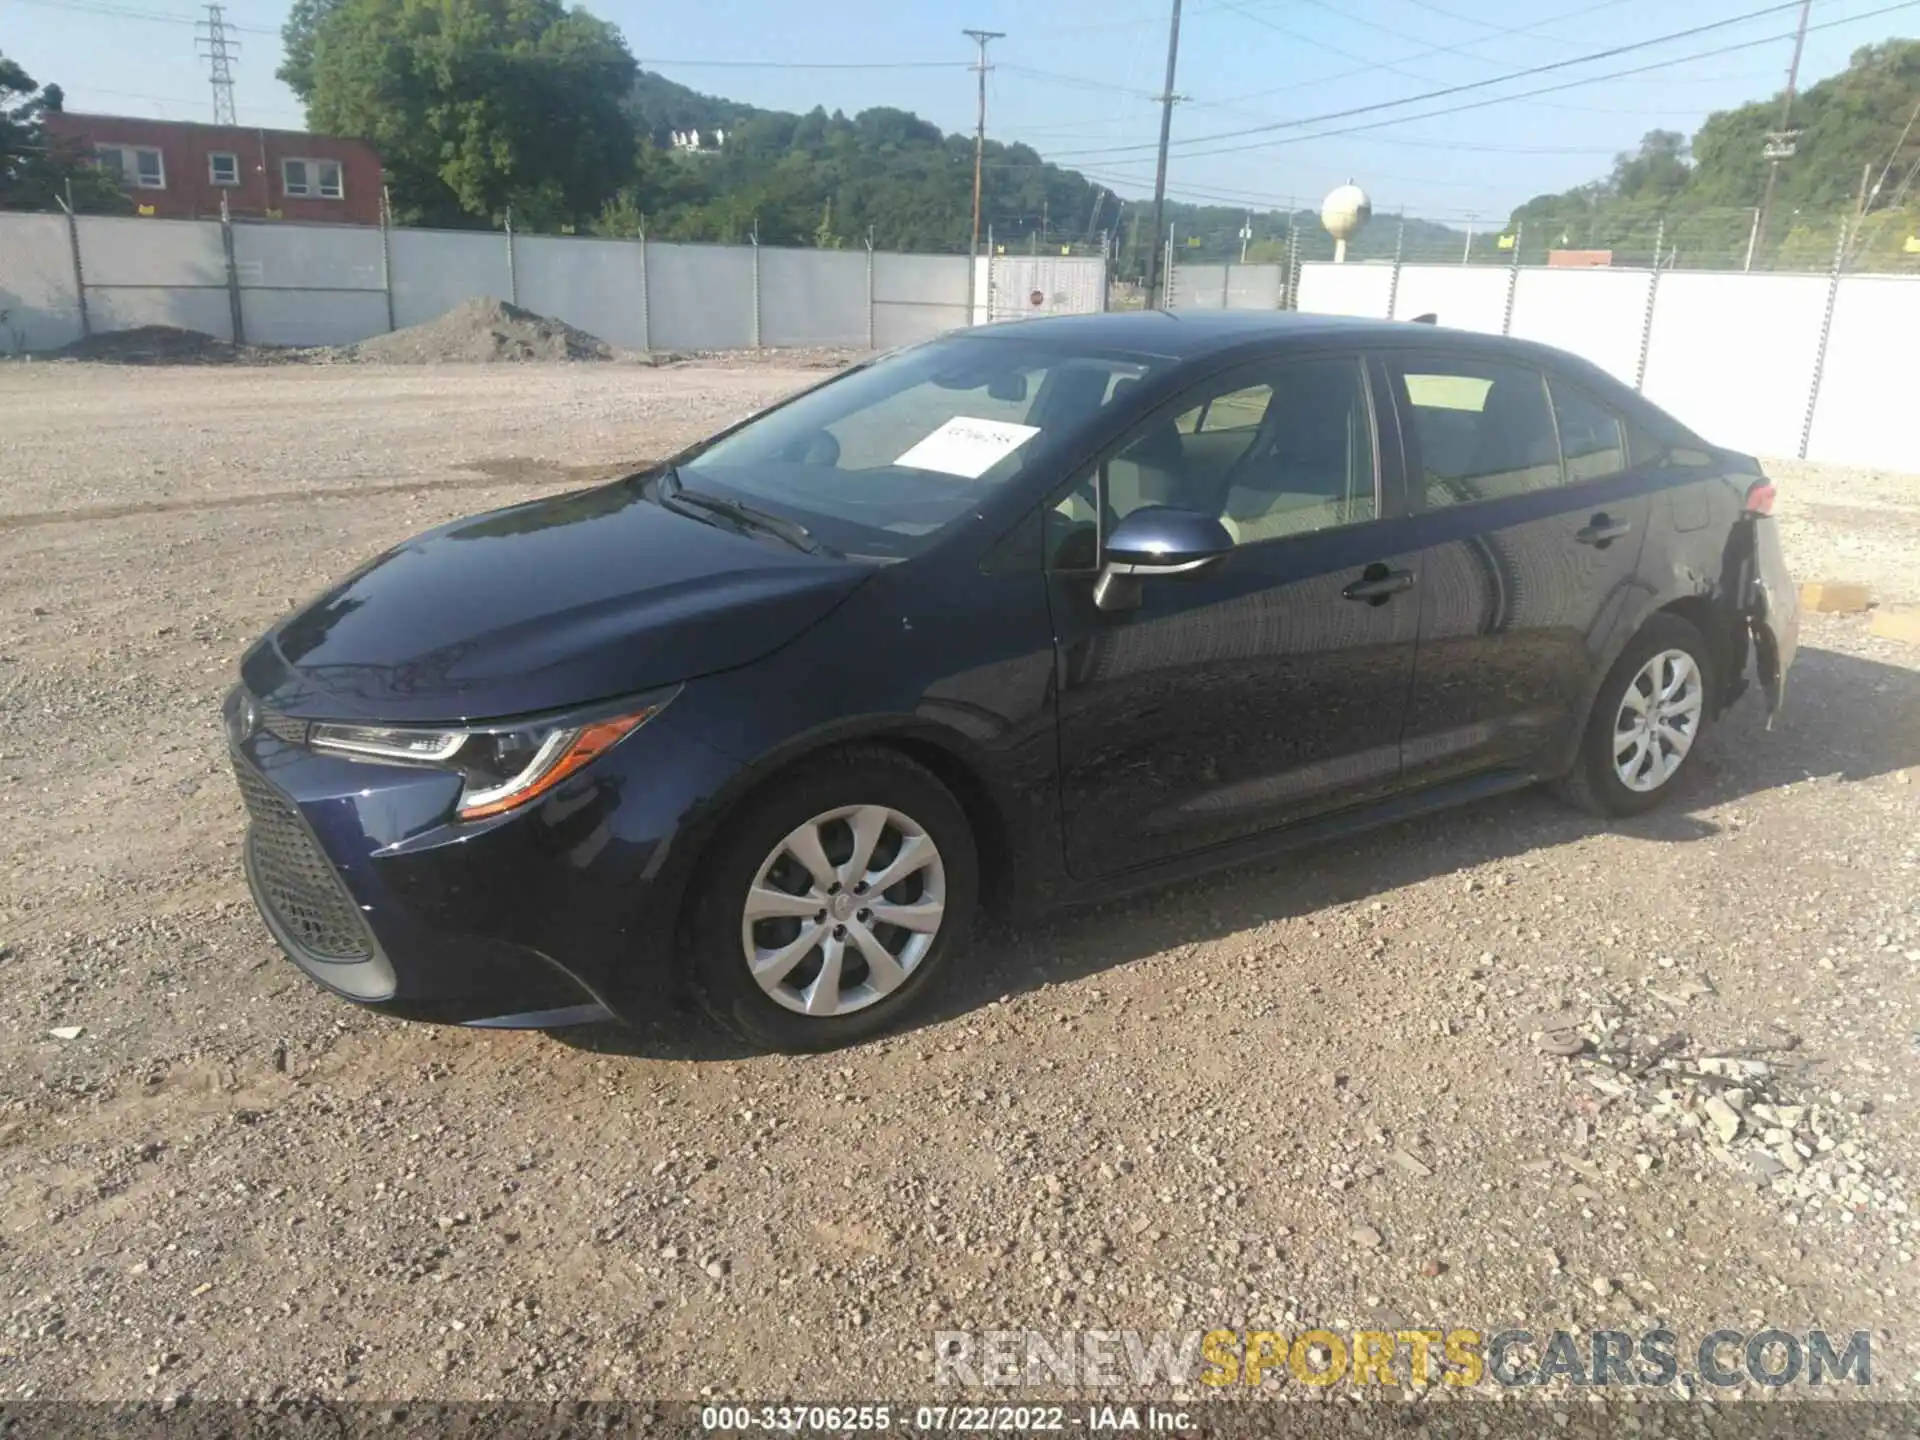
[
  {"x": 1715, "y": 619},
  {"x": 948, "y": 757},
  {"x": 1702, "y": 607}
]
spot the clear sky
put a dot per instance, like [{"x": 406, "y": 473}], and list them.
[{"x": 1075, "y": 78}]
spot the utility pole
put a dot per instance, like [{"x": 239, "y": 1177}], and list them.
[
  {"x": 1779, "y": 144},
  {"x": 219, "y": 52},
  {"x": 1246, "y": 234},
  {"x": 1893, "y": 156},
  {"x": 1167, "y": 97},
  {"x": 980, "y": 38}
]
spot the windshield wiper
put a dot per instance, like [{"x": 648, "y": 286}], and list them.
[{"x": 750, "y": 517}]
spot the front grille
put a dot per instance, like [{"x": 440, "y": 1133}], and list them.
[{"x": 296, "y": 882}]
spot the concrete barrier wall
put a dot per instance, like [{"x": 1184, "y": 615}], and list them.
[
  {"x": 916, "y": 297},
  {"x": 1464, "y": 297},
  {"x": 594, "y": 285},
  {"x": 1346, "y": 289},
  {"x": 334, "y": 284},
  {"x": 1870, "y": 383},
  {"x": 1228, "y": 287},
  {"x": 1742, "y": 358},
  {"x": 813, "y": 297},
  {"x": 37, "y": 294},
  {"x": 309, "y": 284},
  {"x": 434, "y": 270},
  {"x": 139, "y": 273},
  {"x": 1598, "y": 314},
  {"x": 700, "y": 297},
  {"x": 1732, "y": 356},
  {"x": 1738, "y": 357}
]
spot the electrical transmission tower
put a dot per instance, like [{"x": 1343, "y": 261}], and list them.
[{"x": 219, "y": 50}]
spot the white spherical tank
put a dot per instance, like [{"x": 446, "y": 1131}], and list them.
[{"x": 1342, "y": 213}]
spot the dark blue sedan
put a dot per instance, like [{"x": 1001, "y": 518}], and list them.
[{"x": 1033, "y": 612}]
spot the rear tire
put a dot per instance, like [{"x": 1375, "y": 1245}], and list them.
[
  {"x": 862, "y": 876},
  {"x": 1645, "y": 725}
]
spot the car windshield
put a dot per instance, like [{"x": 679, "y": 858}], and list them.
[{"x": 877, "y": 462}]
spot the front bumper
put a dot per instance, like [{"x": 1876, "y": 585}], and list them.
[{"x": 548, "y": 915}]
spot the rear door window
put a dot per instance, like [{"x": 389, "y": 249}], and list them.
[
  {"x": 1485, "y": 429},
  {"x": 1593, "y": 442}
]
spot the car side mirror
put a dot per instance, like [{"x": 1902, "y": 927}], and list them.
[{"x": 1159, "y": 540}]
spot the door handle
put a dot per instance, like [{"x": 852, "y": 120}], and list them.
[
  {"x": 1602, "y": 531},
  {"x": 1377, "y": 585}
]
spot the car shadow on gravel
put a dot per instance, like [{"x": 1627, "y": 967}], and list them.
[{"x": 1847, "y": 719}]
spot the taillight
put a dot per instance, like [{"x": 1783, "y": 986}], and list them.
[{"x": 1760, "y": 498}]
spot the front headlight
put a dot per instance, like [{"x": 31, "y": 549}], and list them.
[{"x": 504, "y": 767}]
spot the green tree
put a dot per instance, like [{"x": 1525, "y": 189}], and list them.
[
  {"x": 299, "y": 35},
  {"x": 36, "y": 170},
  {"x": 1699, "y": 198},
  {"x": 476, "y": 106}
]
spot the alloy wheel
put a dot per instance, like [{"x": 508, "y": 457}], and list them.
[
  {"x": 1658, "y": 720},
  {"x": 843, "y": 910}
]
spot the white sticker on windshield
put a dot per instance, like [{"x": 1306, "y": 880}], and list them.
[{"x": 967, "y": 447}]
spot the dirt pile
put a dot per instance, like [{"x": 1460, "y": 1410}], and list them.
[
  {"x": 475, "y": 332},
  {"x": 483, "y": 332},
  {"x": 167, "y": 345}
]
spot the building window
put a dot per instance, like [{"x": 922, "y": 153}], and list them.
[
  {"x": 312, "y": 177},
  {"x": 137, "y": 165},
  {"x": 223, "y": 167}
]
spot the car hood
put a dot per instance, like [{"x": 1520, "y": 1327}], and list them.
[{"x": 557, "y": 602}]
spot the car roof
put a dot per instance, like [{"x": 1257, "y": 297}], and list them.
[
  {"x": 1191, "y": 338},
  {"x": 1195, "y": 334}
]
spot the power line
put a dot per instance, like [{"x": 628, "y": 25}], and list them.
[
  {"x": 1080, "y": 81},
  {"x": 124, "y": 12},
  {"x": 1499, "y": 30},
  {"x": 811, "y": 64},
  {"x": 73, "y": 90},
  {"x": 1369, "y": 67},
  {"x": 1089, "y": 127},
  {"x": 1606, "y": 54},
  {"x": 1543, "y": 90}
]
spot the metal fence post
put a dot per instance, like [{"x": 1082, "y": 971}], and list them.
[
  {"x": 1826, "y": 329},
  {"x": 646, "y": 300},
  {"x": 1226, "y": 286},
  {"x": 870, "y": 343},
  {"x": 238, "y": 319},
  {"x": 513, "y": 274},
  {"x": 1393, "y": 281},
  {"x": 755, "y": 236},
  {"x": 1646, "y": 331},
  {"x": 386, "y": 254},
  {"x": 79, "y": 275},
  {"x": 1513, "y": 280},
  {"x": 1292, "y": 280}
]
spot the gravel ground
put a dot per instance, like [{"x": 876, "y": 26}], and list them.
[{"x": 1501, "y": 1067}]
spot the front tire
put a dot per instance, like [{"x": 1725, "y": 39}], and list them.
[
  {"x": 1646, "y": 721},
  {"x": 831, "y": 905}
]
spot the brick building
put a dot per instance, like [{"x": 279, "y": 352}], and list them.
[{"x": 179, "y": 170}]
